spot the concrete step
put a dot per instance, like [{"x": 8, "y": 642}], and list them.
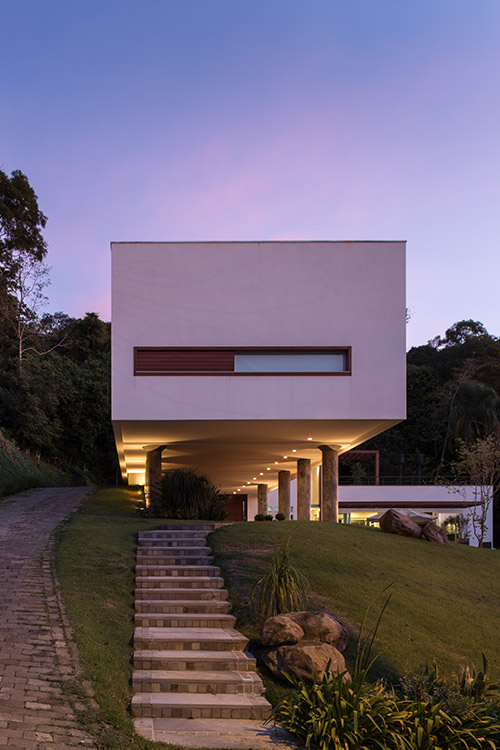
[
  {"x": 200, "y": 705},
  {"x": 183, "y": 570},
  {"x": 215, "y": 683},
  {"x": 184, "y": 537},
  {"x": 194, "y": 661},
  {"x": 183, "y": 606},
  {"x": 184, "y": 620},
  {"x": 243, "y": 734},
  {"x": 151, "y": 568},
  {"x": 190, "y": 526},
  {"x": 187, "y": 551},
  {"x": 173, "y": 594},
  {"x": 188, "y": 639},
  {"x": 191, "y": 542},
  {"x": 178, "y": 582}
]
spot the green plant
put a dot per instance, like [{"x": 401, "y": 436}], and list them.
[
  {"x": 259, "y": 517},
  {"x": 280, "y": 516},
  {"x": 363, "y": 662},
  {"x": 183, "y": 493},
  {"x": 283, "y": 589},
  {"x": 339, "y": 714},
  {"x": 268, "y": 517}
]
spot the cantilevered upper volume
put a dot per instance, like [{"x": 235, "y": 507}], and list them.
[{"x": 239, "y": 358}]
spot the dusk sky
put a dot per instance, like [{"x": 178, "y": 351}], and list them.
[{"x": 262, "y": 119}]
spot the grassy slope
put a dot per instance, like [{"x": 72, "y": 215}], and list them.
[
  {"x": 20, "y": 472},
  {"x": 95, "y": 563},
  {"x": 445, "y": 603}
]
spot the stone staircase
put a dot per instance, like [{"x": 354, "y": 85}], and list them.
[{"x": 189, "y": 661}]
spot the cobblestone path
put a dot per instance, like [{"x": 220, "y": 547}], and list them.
[{"x": 36, "y": 662}]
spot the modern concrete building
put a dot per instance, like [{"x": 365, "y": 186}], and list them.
[{"x": 255, "y": 362}]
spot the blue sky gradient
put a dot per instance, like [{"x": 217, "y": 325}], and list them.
[{"x": 261, "y": 119}]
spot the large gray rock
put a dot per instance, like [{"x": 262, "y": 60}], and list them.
[
  {"x": 434, "y": 533},
  {"x": 306, "y": 660},
  {"x": 279, "y": 630},
  {"x": 322, "y": 627},
  {"x": 396, "y": 522}
]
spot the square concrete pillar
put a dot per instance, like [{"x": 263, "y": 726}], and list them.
[
  {"x": 304, "y": 489},
  {"x": 284, "y": 493}
]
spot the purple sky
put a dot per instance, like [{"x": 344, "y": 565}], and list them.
[{"x": 261, "y": 119}]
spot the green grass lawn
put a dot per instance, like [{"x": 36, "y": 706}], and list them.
[
  {"x": 95, "y": 563},
  {"x": 445, "y": 600},
  {"x": 445, "y": 603}
]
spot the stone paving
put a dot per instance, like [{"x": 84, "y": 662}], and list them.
[{"x": 37, "y": 660}]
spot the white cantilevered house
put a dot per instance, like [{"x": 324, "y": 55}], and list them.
[{"x": 255, "y": 362}]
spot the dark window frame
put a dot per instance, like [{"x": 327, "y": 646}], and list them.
[{"x": 347, "y": 350}]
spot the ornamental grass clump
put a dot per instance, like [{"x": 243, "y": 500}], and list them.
[
  {"x": 186, "y": 494},
  {"x": 283, "y": 589}
]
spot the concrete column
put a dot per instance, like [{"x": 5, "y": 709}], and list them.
[
  {"x": 330, "y": 484},
  {"x": 262, "y": 499},
  {"x": 153, "y": 471},
  {"x": 304, "y": 489},
  {"x": 284, "y": 493}
]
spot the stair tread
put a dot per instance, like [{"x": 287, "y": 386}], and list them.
[
  {"x": 200, "y": 655},
  {"x": 212, "y": 634},
  {"x": 201, "y": 699},
  {"x": 194, "y": 676}
]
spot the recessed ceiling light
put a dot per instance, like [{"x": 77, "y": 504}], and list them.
[
  {"x": 294, "y": 451},
  {"x": 248, "y": 482},
  {"x": 309, "y": 438},
  {"x": 262, "y": 473},
  {"x": 285, "y": 456},
  {"x": 234, "y": 493},
  {"x": 275, "y": 462},
  {"x": 254, "y": 477},
  {"x": 239, "y": 489}
]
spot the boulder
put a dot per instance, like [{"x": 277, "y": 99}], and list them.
[
  {"x": 306, "y": 659},
  {"x": 322, "y": 627},
  {"x": 434, "y": 533},
  {"x": 279, "y": 630},
  {"x": 396, "y": 522}
]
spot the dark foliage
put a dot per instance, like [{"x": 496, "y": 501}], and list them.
[{"x": 184, "y": 493}]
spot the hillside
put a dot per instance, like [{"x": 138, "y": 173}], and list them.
[
  {"x": 445, "y": 600},
  {"x": 20, "y": 472}
]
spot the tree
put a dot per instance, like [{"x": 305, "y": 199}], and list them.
[
  {"x": 480, "y": 463},
  {"x": 21, "y": 224}
]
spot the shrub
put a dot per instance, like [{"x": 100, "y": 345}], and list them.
[
  {"x": 259, "y": 517},
  {"x": 183, "y": 493},
  {"x": 280, "y": 516},
  {"x": 341, "y": 715},
  {"x": 268, "y": 517},
  {"x": 283, "y": 589}
]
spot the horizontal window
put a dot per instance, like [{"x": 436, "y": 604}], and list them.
[
  {"x": 277, "y": 361},
  {"x": 242, "y": 361}
]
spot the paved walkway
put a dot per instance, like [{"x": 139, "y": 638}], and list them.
[{"x": 36, "y": 663}]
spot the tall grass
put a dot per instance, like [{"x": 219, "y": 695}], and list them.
[
  {"x": 283, "y": 589},
  {"x": 20, "y": 472}
]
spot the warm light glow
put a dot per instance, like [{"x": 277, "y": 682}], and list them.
[
  {"x": 234, "y": 493},
  {"x": 255, "y": 477},
  {"x": 309, "y": 438},
  {"x": 285, "y": 456},
  {"x": 268, "y": 468},
  {"x": 275, "y": 462},
  {"x": 294, "y": 451},
  {"x": 239, "y": 489},
  {"x": 248, "y": 482},
  {"x": 262, "y": 473}
]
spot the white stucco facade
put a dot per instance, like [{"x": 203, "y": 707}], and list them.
[{"x": 259, "y": 295}]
